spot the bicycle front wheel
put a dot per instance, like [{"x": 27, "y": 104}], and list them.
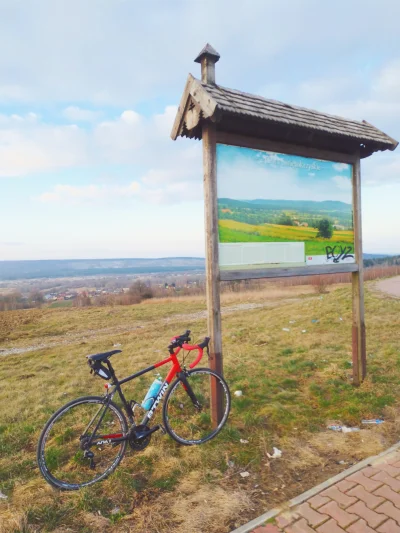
[
  {"x": 73, "y": 451},
  {"x": 191, "y": 423}
]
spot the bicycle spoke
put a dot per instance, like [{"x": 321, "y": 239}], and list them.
[
  {"x": 191, "y": 423},
  {"x": 66, "y": 450}
]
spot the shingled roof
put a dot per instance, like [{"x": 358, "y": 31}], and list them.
[{"x": 234, "y": 111}]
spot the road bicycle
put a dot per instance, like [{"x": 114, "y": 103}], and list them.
[{"x": 86, "y": 439}]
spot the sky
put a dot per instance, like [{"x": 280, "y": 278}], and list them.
[
  {"x": 246, "y": 174},
  {"x": 89, "y": 91}
]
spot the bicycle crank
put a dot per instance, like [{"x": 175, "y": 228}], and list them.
[{"x": 140, "y": 436}]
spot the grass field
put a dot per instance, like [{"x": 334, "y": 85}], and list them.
[
  {"x": 232, "y": 231},
  {"x": 293, "y": 384}
]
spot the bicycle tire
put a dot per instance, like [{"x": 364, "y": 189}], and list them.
[
  {"x": 167, "y": 417},
  {"x": 41, "y": 458}
]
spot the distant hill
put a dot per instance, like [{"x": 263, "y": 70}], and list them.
[
  {"x": 377, "y": 256},
  {"x": 380, "y": 260},
  {"x": 65, "y": 268},
  {"x": 290, "y": 205}
]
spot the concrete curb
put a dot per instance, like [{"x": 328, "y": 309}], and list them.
[{"x": 246, "y": 528}]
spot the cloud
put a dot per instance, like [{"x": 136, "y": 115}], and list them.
[
  {"x": 342, "y": 183},
  {"x": 340, "y": 166},
  {"x": 126, "y": 52},
  {"x": 381, "y": 169},
  {"x": 387, "y": 84},
  {"x": 88, "y": 193},
  {"x": 247, "y": 180},
  {"x": 169, "y": 193},
  {"x": 77, "y": 114},
  {"x": 27, "y": 147}
]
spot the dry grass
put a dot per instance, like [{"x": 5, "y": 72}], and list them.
[{"x": 294, "y": 384}]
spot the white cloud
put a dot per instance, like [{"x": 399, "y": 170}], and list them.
[
  {"x": 174, "y": 168},
  {"x": 381, "y": 169},
  {"x": 387, "y": 84},
  {"x": 88, "y": 193},
  {"x": 340, "y": 166},
  {"x": 342, "y": 183},
  {"x": 169, "y": 193},
  {"x": 77, "y": 114},
  {"x": 120, "y": 51},
  {"x": 28, "y": 148},
  {"x": 248, "y": 181}
]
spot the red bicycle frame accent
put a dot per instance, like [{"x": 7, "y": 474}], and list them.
[{"x": 176, "y": 367}]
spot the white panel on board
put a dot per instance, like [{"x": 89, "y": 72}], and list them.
[{"x": 259, "y": 253}]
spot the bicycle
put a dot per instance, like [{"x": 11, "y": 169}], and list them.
[{"x": 85, "y": 440}]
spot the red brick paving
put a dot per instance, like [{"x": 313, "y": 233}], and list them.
[{"x": 365, "y": 502}]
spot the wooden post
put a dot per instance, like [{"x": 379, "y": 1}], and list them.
[
  {"x": 359, "y": 339},
  {"x": 208, "y": 57}
]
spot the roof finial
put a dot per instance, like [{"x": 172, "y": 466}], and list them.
[{"x": 208, "y": 57}]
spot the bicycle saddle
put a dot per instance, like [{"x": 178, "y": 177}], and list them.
[{"x": 102, "y": 356}]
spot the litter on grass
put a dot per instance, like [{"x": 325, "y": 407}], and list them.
[
  {"x": 373, "y": 421},
  {"x": 277, "y": 453},
  {"x": 343, "y": 429},
  {"x": 238, "y": 393},
  {"x": 244, "y": 441},
  {"x": 244, "y": 474},
  {"x": 285, "y": 329}
]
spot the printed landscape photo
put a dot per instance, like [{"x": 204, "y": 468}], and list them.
[{"x": 278, "y": 209}]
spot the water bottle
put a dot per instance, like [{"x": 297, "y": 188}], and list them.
[{"x": 152, "y": 393}]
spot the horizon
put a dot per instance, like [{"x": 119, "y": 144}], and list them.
[
  {"x": 87, "y": 166},
  {"x": 147, "y": 258}
]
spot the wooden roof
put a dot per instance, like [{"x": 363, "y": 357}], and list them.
[{"x": 238, "y": 112}]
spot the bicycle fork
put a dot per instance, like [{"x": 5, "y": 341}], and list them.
[{"x": 189, "y": 390}]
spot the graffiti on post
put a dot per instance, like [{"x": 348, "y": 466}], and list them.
[{"x": 339, "y": 253}]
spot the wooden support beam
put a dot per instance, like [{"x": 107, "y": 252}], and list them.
[
  {"x": 359, "y": 338},
  {"x": 212, "y": 263},
  {"x": 235, "y": 139}
]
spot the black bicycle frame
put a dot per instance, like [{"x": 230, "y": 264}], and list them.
[{"x": 129, "y": 411}]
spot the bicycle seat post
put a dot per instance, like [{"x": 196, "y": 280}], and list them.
[{"x": 111, "y": 369}]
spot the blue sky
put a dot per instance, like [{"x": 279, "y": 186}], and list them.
[
  {"x": 89, "y": 91},
  {"x": 245, "y": 174}
]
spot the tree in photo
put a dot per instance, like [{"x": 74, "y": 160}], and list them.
[
  {"x": 285, "y": 220},
  {"x": 325, "y": 228}
]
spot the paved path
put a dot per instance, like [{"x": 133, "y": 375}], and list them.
[
  {"x": 367, "y": 501},
  {"x": 391, "y": 286}
]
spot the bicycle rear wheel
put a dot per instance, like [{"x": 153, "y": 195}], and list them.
[
  {"x": 66, "y": 457},
  {"x": 188, "y": 423}
]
